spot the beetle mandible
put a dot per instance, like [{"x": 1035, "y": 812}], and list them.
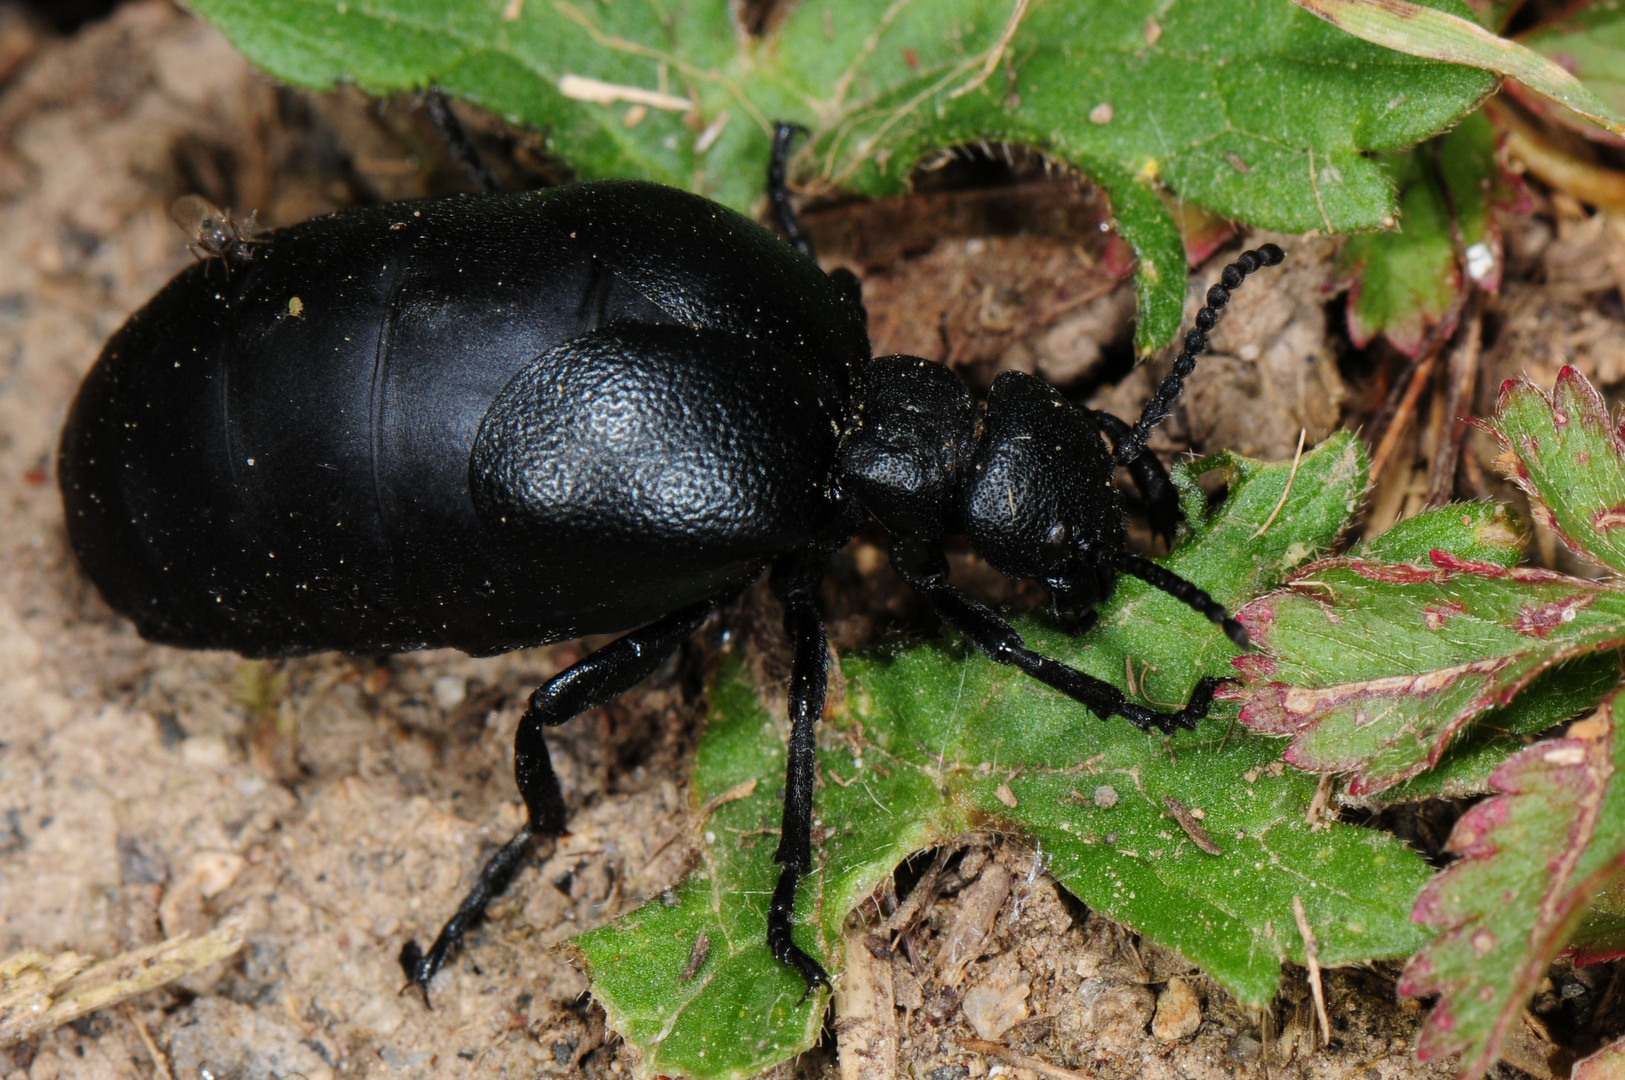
[{"x": 492, "y": 422}]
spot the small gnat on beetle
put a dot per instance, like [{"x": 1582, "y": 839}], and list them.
[{"x": 478, "y": 432}]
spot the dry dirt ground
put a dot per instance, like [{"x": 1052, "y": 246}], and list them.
[{"x": 329, "y": 809}]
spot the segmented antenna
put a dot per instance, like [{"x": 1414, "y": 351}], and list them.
[{"x": 1156, "y": 408}]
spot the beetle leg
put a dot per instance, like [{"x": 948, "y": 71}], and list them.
[
  {"x": 925, "y": 568},
  {"x": 1157, "y": 491},
  {"x": 458, "y": 144},
  {"x": 778, "y": 188},
  {"x": 809, "y": 675},
  {"x": 586, "y": 684}
]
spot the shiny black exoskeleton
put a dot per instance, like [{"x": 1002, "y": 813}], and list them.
[{"x": 493, "y": 422}]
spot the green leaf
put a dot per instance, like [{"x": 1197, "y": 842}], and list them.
[
  {"x": 1422, "y": 31},
  {"x": 1564, "y": 451},
  {"x": 934, "y": 740},
  {"x": 1374, "y": 668},
  {"x": 1257, "y": 112},
  {"x": 1481, "y": 532},
  {"x": 1404, "y": 280},
  {"x": 740, "y": 1011},
  {"x": 1486, "y": 533},
  {"x": 1465, "y": 768},
  {"x": 1407, "y": 280},
  {"x": 1530, "y": 860},
  {"x": 1588, "y": 40}
]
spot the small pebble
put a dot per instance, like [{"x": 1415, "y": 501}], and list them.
[
  {"x": 1179, "y": 1012},
  {"x": 450, "y": 691}
]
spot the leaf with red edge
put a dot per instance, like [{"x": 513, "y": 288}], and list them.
[
  {"x": 1530, "y": 860},
  {"x": 1606, "y": 1064},
  {"x": 1567, "y": 453},
  {"x": 1373, "y": 668},
  {"x": 1404, "y": 282}
]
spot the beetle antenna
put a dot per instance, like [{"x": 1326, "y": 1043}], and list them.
[
  {"x": 1156, "y": 408},
  {"x": 1183, "y": 591},
  {"x": 778, "y": 188}
]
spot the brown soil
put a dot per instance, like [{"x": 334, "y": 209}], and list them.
[{"x": 334, "y": 808}]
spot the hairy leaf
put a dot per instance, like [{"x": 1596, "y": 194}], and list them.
[
  {"x": 1373, "y": 668},
  {"x": 1404, "y": 281},
  {"x": 1482, "y": 532},
  {"x": 933, "y": 740},
  {"x": 1565, "y": 452},
  {"x": 1530, "y": 860},
  {"x": 1261, "y": 113},
  {"x": 1469, "y": 761}
]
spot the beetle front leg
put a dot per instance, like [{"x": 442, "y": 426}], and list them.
[
  {"x": 809, "y": 675},
  {"x": 586, "y": 684},
  {"x": 925, "y": 568}
]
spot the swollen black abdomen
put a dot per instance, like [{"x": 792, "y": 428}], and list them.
[{"x": 276, "y": 460}]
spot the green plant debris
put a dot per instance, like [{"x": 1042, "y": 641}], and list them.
[
  {"x": 1260, "y": 113},
  {"x": 1530, "y": 860},
  {"x": 1407, "y": 281},
  {"x": 1565, "y": 453},
  {"x": 934, "y": 740}
]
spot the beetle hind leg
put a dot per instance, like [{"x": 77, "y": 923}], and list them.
[
  {"x": 795, "y": 583},
  {"x": 586, "y": 684}
]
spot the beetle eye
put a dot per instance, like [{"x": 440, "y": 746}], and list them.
[{"x": 1055, "y": 542}]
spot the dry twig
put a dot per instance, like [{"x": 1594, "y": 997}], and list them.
[{"x": 1312, "y": 952}]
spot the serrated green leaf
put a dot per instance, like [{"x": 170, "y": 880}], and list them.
[
  {"x": 1468, "y": 763},
  {"x": 934, "y": 740},
  {"x": 1480, "y": 532},
  {"x": 1256, "y": 111},
  {"x": 1566, "y": 453},
  {"x": 1374, "y": 668},
  {"x": 1404, "y": 281},
  {"x": 1530, "y": 861}
]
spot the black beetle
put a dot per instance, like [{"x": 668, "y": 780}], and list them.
[{"x": 491, "y": 422}]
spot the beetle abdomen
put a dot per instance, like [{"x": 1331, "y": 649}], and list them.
[{"x": 276, "y": 460}]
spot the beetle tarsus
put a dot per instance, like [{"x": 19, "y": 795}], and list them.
[
  {"x": 780, "y": 918},
  {"x": 778, "y": 188},
  {"x": 494, "y": 878},
  {"x": 458, "y": 145}
]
